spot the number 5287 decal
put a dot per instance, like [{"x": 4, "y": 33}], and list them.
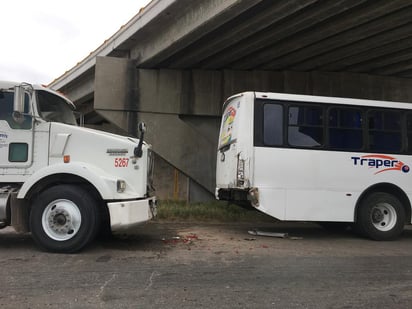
[{"x": 121, "y": 162}]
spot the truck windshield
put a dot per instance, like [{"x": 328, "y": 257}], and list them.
[{"x": 54, "y": 108}]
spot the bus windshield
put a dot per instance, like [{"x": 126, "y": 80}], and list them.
[
  {"x": 228, "y": 129},
  {"x": 54, "y": 108}
]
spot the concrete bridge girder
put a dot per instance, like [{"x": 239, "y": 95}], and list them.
[{"x": 182, "y": 107}]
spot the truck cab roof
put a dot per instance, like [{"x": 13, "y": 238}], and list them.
[{"x": 6, "y": 85}]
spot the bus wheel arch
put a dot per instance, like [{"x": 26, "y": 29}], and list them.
[{"x": 382, "y": 211}]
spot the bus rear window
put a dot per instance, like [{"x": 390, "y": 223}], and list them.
[{"x": 228, "y": 127}]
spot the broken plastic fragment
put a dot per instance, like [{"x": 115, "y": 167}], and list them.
[{"x": 269, "y": 234}]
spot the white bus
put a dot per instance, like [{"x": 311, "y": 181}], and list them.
[{"x": 321, "y": 159}]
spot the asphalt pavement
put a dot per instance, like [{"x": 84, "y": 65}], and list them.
[{"x": 211, "y": 265}]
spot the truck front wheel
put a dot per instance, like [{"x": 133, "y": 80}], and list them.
[{"x": 64, "y": 219}]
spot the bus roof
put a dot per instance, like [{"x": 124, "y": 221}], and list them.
[{"x": 325, "y": 99}]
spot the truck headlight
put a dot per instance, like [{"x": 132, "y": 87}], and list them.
[{"x": 121, "y": 186}]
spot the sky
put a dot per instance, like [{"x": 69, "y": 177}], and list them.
[{"x": 42, "y": 39}]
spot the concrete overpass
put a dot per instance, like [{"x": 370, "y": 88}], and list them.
[{"x": 175, "y": 62}]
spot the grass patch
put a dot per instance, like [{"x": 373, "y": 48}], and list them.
[{"x": 211, "y": 211}]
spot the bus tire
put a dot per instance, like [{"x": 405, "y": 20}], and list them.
[
  {"x": 64, "y": 219},
  {"x": 381, "y": 216}
]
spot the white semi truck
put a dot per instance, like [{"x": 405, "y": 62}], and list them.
[{"x": 62, "y": 182}]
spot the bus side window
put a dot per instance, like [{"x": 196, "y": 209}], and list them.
[
  {"x": 273, "y": 124},
  {"x": 384, "y": 131},
  {"x": 305, "y": 126},
  {"x": 409, "y": 131},
  {"x": 345, "y": 128}
]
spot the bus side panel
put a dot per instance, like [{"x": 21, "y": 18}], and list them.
[
  {"x": 321, "y": 185},
  {"x": 269, "y": 177},
  {"x": 320, "y": 205},
  {"x": 296, "y": 184},
  {"x": 272, "y": 201},
  {"x": 325, "y": 186}
]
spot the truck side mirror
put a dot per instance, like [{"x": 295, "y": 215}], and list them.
[
  {"x": 138, "y": 150},
  {"x": 142, "y": 127},
  {"x": 18, "y": 102}
]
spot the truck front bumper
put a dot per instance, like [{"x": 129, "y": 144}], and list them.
[{"x": 128, "y": 214}]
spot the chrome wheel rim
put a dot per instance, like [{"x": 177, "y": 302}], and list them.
[
  {"x": 383, "y": 217},
  {"x": 61, "y": 220}
]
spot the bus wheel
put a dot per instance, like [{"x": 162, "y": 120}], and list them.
[
  {"x": 64, "y": 219},
  {"x": 381, "y": 216}
]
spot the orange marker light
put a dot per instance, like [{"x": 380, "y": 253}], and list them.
[{"x": 66, "y": 159}]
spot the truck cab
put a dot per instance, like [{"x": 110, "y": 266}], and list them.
[{"x": 63, "y": 182}]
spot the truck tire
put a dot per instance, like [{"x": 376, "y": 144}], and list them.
[
  {"x": 381, "y": 216},
  {"x": 64, "y": 219}
]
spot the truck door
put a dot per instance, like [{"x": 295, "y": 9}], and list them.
[{"x": 16, "y": 136}]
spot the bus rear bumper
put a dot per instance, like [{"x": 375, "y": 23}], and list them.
[{"x": 250, "y": 195}]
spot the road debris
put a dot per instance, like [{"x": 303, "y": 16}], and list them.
[
  {"x": 188, "y": 239},
  {"x": 269, "y": 234}
]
